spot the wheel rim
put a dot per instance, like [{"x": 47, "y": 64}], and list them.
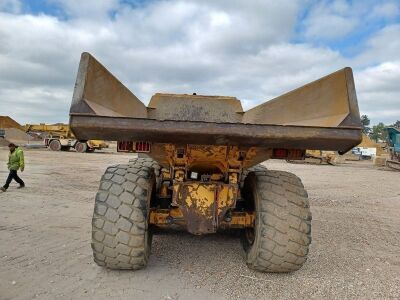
[
  {"x": 80, "y": 147},
  {"x": 55, "y": 145}
]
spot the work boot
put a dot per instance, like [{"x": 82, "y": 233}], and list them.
[{"x": 3, "y": 189}]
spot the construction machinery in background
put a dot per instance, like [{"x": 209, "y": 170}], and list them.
[
  {"x": 394, "y": 148},
  {"x": 58, "y": 137},
  {"x": 14, "y": 133},
  {"x": 202, "y": 172},
  {"x": 367, "y": 149},
  {"x": 318, "y": 157}
]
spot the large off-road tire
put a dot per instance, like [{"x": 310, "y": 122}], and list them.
[
  {"x": 281, "y": 237},
  {"x": 55, "y": 145},
  {"x": 81, "y": 147},
  {"x": 149, "y": 162},
  {"x": 121, "y": 237}
]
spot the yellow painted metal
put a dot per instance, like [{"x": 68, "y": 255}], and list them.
[
  {"x": 55, "y": 130},
  {"x": 197, "y": 197},
  {"x": 240, "y": 220},
  {"x": 163, "y": 191},
  {"x": 326, "y": 102},
  {"x": 61, "y": 131},
  {"x": 164, "y": 217},
  {"x": 226, "y": 198},
  {"x": 211, "y": 158},
  {"x": 195, "y": 108},
  {"x": 320, "y": 115},
  {"x": 204, "y": 205},
  {"x": 323, "y": 103},
  {"x": 193, "y": 157},
  {"x": 98, "y": 91},
  {"x": 217, "y": 177},
  {"x": 179, "y": 175},
  {"x": 160, "y": 216},
  {"x": 97, "y": 144},
  {"x": 165, "y": 174},
  {"x": 233, "y": 178}
]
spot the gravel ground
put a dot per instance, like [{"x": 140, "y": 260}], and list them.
[{"x": 45, "y": 240}]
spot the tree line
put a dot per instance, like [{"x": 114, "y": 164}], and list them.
[{"x": 376, "y": 132}]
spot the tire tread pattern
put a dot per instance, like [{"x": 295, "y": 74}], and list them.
[
  {"x": 284, "y": 225},
  {"x": 120, "y": 236}
]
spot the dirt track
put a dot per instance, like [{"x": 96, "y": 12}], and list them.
[{"x": 45, "y": 240}]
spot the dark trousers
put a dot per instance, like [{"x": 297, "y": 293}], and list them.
[{"x": 13, "y": 175}]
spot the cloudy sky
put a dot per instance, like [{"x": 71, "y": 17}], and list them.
[{"x": 254, "y": 50}]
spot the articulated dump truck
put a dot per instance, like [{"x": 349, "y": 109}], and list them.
[{"x": 199, "y": 165}]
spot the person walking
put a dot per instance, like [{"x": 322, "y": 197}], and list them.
[{"x": 15, "y": 163}]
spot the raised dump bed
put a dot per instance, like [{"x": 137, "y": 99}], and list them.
[
  {"x": 201, "y": 173},
  {"x": 321, "y": 115}
]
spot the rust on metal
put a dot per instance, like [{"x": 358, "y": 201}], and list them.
[
  {"x": 166, "y": 217},
  {"x": 321, "y": 115},
  {"x": 204, "y": 205},
  {"x": 204, "y": 157},
  {"x": 206, "y": 142}
]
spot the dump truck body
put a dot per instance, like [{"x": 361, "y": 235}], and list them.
[
  {"x": 204, "y": 151},
  {"x": 322, "y": 115}
]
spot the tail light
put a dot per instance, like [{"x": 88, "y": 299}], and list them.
[
  {"x": 288, "y": 153},
  {"x": 142, "y": 147},
  {"x": 125, "y": 146},
  {"x": 129, "y": 146},
  {"x": 280, "y": 153}
]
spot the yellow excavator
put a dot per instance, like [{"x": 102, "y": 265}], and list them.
[{"x": 58, "y": 137}]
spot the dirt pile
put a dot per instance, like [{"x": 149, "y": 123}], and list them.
[
  {"x": 7, "y": 122},
  {"x": 14, "y": 132},
  {"x": 18, "y": 136}
]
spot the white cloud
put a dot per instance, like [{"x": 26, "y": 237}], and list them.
[
  {"x": 13, "y": 6},
  {"x": 330, "y": 20},
  {"x": 388, "y": 10},
  {"x": 379, "y": 90},
  {"x": 384, "y": 46},
  {"x": 208, "y": 47}
]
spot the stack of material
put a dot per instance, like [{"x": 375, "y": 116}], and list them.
[
  {"x": 7, "y": 122},
  {"x": 368, "y": 143},
  {"x": 14, "y": 132},
  {"x": 17, "y": 136}
]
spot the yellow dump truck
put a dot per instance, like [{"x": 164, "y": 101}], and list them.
[
  {"x": 202, "y": 170},
  {"x": 59, "y": 137}
]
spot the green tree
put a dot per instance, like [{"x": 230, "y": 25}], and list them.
[
  {"x": 365, "y": 121},
  {"x": 378, "y": 132}
]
